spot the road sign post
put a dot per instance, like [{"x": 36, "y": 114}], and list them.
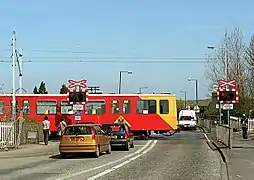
[
  {"x": 78, "y": 96},
  {"x": 227, "y": 94}
]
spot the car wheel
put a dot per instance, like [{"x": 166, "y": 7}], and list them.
[
  {"x": 63, "y": 155},
  {"x": 127, "y": 146},
  {"x": 109, "y": 149},
  {"x": 97, "y": 152}
]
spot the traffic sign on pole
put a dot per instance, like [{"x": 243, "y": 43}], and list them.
[
  {"x": 223, "y": 83},
  {"x": 227, "y": 92}
]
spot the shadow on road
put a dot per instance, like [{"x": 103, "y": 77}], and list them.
[{"x": 75, "y": 156}]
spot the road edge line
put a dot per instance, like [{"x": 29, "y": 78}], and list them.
[
  {"x": 104, "y": 165},
  {"x": 123, "y": 163}
]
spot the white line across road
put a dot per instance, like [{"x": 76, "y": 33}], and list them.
[
  {"x": 110, "y": 163},
  {"x": 122, "y": 164}
]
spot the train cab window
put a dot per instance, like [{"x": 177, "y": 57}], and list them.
[
  {"x": 66, "y": 108},
  {"x": 115, "y": 106},
  {"x": 26, "y": 107},
  {"x": 16, "y": 106},
  {"x": 96, "y": 107},
  {"x": 1, "y": 107},
  {"x": 164, "y": 107},
  {"x": 146, "y": 107},
  {"x": 126, "y": 107},
  {"x": 46, "y": 107}
]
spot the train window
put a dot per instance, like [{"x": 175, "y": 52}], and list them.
[
  {"x": 126, "y": 107},
  {"x": 164, "y": 107},
  {"x": 114, "y": 107},
  {"x": 26, "y": 107},
  {"x": 46, "y": 107},
  {"x": 16, "y": 106},
  {"x": 96, "y": 107},
  {"x": 66, "y": 108},
  {"x": 146, "y": 107},
  {"x": 1, "y": 107}
]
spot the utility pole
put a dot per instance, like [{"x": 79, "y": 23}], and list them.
[
  {"x": 20, "y": 71},
  {"x": 120, "y": 82},
  {"x": 13, "y": 75}
]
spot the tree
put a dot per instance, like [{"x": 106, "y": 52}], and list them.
[
  {"x": 250, "y": 71},
  {"x": 35, "y": 91},
  {"x": 231, "y": 50},
  {"x": 42, "y": 88},
  {"x": 63, "y": 89}
]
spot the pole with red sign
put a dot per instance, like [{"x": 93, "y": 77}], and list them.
[
  {"x": 77, "y": 95},
  {"x": 227, "y": 95}
]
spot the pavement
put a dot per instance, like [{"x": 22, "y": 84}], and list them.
[
  {"x": 183, "y": 156},
  {"x": 239, "y": 159}
]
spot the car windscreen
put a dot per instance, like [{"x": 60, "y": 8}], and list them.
[
  {"x": 113, "y": 128},
  {"x": 77, "y": 130}
]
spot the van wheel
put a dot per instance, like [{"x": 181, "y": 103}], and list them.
[
  {"x": 109, "y": 149},
  {"x": 97, "y": 152}
]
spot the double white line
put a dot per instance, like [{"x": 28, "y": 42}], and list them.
[{"x": 145, "y": 149}]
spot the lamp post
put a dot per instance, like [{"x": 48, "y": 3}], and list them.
[
  {"x": 226, "y": 74},
  {"x": 185, "y": 100},
  {"x": 140, "y": 89},
  {"x": 196, "y": 88},
  {"x": 120, "y": 79},
  {"x": 226, "y": 78}
]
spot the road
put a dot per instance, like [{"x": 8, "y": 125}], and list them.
[{"x": 183, "y": 156}]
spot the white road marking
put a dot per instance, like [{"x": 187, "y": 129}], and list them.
[
  {"x": 112, "y": 162},
  {"x": 123, "y": 163},
  {"x": 138, "y": 145}
]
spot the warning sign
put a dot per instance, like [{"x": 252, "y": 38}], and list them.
[{"x": 122, "y": 120}]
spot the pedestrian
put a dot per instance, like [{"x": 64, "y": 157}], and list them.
[
  {"x": 46, "y": 129},
  {"x": 244, "y": 123},
  {"x": 61, "y": 127}
]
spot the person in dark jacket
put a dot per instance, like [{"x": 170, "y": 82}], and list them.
[{"x": 244, "y": 123}]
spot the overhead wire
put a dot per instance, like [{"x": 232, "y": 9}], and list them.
[{"x": 110, "y": 59}]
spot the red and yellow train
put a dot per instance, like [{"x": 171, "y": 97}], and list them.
[{"x": 142, "y": 112}]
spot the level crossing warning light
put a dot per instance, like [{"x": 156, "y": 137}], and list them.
[{"x": 77, "y": 92}]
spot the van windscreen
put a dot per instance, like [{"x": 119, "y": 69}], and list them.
[{"x": 186, "y": 118}]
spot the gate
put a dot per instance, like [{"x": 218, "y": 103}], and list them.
[{"x": 7, "y": 134}]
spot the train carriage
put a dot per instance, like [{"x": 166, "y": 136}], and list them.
[{"x": 142, "y": 112}]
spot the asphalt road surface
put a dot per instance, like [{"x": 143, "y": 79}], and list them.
[{"x": 184, "y": 156}]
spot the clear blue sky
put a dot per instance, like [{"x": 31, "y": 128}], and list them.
[{"x": 169, "y": 28}]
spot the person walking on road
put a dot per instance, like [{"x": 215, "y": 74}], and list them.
[
  {"x": 61, "y": 127},
  {"x": 46, "y": 126}
]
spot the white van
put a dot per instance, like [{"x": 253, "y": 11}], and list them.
[{"x": 187, "y": 119}]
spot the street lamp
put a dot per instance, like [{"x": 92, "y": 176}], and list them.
[
  {"x": 225, "y": 59},
  {"x": 120, "y": 79},
  {"x": 185, "y": 100},
  {"x": 196, "y": 89},
  {"x": 140, "y": 89}
]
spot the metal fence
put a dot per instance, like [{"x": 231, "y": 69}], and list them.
[
  {"x": 237, "y": 126},
  {"x": 224, "y": 136},
  {"x": 8, "y": 132}
]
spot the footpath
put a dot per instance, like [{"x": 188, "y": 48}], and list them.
[
  {"x": 30, "y": 150},
  {"x": 240, "y": 159}
]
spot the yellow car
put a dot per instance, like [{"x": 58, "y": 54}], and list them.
[{"x": 79, "y": 138}]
